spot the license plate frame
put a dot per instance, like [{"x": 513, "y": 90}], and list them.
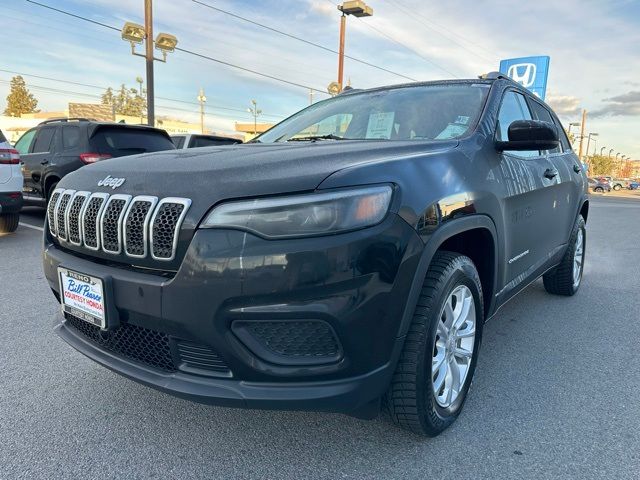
[{"x": 83, "y": 296}]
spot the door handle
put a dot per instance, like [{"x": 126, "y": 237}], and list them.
[
  {"x": 44, "y": 162},
  {"x": 550, "y": 173},
  {"x": 577, "y": 168}
]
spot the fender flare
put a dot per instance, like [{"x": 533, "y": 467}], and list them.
[{"x": 446, "y": 231}]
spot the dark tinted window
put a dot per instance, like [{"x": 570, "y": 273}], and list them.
[
  {"x": 514, "y": 107},
  {"x": 2, "y": 137},
  {"x": 199, "y": 141},
  {"x": 543, "y": 114},
  {"x": 43, "y": 141},
  {"x": 120, "y": 141},
  {"x": 178, "y": 141},
  {"x": 70, "y": 137}
]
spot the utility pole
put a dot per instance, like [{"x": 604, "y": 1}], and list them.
[
  {"x": 343, "y": 22},
  {"x": 202, "y": 99},
  {"x": 148, "y": 29},
  {"x": 584, "y": 121}
]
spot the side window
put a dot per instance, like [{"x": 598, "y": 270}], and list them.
[
  {"x": 178, "y": 141},
  {"x": 564, "y": 140},
  {"x": 43, "y": 140},
  {"x": 541, "y": 113},
  {"x": 70, "y": 137},
  {"x": 514, "y": 107},
  {"x": 24, "y": 142}
]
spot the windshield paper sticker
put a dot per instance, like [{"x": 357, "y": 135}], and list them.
[{"x": 380, "y": 125}]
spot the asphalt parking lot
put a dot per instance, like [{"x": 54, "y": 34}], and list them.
[{"x": 556, "y": 393}]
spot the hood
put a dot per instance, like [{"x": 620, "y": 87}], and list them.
[
  {"x": 213, "y": 174},
  {"x": 207, "y": 176}
]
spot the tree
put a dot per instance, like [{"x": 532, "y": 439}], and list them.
[
  {"x": 600, "y": 165},
  {"x": 20, "y": 100},
  {"x": 125, "y": 101}
]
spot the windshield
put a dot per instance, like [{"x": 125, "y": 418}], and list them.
[{"x": 431, "y": 112}]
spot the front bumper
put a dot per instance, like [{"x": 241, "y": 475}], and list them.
[
  {"x": 354, "y": 283},
  {"x": 10, "y": 202}
]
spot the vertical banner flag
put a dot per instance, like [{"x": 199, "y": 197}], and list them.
[{"x": 530, "y": 72}]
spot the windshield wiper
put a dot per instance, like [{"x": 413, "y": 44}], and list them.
[{"x": 313, "y": 138}]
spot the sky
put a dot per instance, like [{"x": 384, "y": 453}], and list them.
[{"x": 594, "y": 47}]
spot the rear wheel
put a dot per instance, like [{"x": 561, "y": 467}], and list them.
[
  {"x": 9, "y": 222},
  {"x": 598, "y": 189},
  {"x": 566, "y": 278},
  {"x": 50, "y": 190},
  {"x": 617, "y": 187},
  {"x": 439, "y": 357}
]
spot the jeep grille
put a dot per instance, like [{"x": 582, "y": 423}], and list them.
[{"x": 138, "y": 226}]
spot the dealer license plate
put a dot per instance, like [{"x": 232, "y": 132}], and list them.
[{"x": 82, "y": 296}]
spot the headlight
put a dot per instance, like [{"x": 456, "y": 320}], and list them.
[{"x": 304, "y": 215}]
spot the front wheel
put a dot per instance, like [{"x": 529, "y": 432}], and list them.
[
  {"x": 439, "y": 356},
  {"x": 565, "y": 279},
  {"x": 617, "y": 187},
  {"x": 9, "y": 222},
  {"x": 598, "y": 190}
]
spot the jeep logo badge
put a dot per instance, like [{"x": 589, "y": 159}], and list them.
[{"x": 112, "y": 182}]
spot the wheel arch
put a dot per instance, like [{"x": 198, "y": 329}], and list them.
[
  {"x": 48, "y": 181},
  {"x": 460, "y": 235}
]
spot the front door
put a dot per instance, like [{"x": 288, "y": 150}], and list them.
[{"x": 530, "y": 237}]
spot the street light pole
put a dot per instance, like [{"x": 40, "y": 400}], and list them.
[
  {"x": 140, "y": 80},
  {"x": 610, "y": 152},
  {"x": 255, "y": 111},
  {"x": 357, "y": 8},
  {"x": 589, "y": 141},
  {"x": 201, "y": 99},
  {"x": 137, "y": 34},
  {"x": 602, "y": 150},
  {"x": 148, "y": 28}
]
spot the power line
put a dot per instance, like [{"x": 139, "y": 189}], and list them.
[
  {"x": 91, "y": 95},
  {"x": 70, "y": 82},
  {"x": 444, "y": 31},
  {"x": 200, "y": 55},
  {"x": 289, "y": 35},
  {"x": 389, "y": 37}
]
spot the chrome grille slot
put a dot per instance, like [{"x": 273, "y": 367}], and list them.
[
  {"x": 61, "y": 209},
  {"x": 165, "y": 226},
  {"x": 111, "y": 223},
  {"x": 91, "y": 220},
  {"x": 51, "y": 210},
  {"x": 73, "y": 217},
  {"x": 136, "y": 225}
]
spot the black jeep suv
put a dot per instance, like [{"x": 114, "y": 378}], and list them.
[
  {"x": 60, "y": 146},
  {"x": 347, "y": 258}
]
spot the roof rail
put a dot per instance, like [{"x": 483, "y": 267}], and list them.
[
  {"x": 65, "y": 119},
  {"x": 497, "y": 76}
]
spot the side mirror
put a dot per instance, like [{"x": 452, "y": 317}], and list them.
[{"x": 530, "y": 135}]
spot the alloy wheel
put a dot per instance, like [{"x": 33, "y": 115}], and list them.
[
  {"x": 453, "y": 348},
  {"x": 578, "y": 258}
]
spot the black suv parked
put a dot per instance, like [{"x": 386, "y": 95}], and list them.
[
  {"x": 57, "y": 147},
  {"x": 348, "y": 256}
]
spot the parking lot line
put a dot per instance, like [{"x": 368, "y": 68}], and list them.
[{"x": 31, "y": 226}]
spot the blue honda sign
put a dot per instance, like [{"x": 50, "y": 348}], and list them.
[{"x": 530, "y": 72}]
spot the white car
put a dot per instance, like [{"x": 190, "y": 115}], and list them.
[
  {"x": 192, "y": 140},
  {"x": 10, "y": 186}
]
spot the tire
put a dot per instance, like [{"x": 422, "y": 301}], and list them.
[
  {"x": 9, "y": 222},
  {"x": 617, "y": 187},
  {"x": 413, "y": 400},
  {"x": 52, "y": 187},
  {"x": 598, "y": 190},
  {"x": 564, "y": 279}
]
